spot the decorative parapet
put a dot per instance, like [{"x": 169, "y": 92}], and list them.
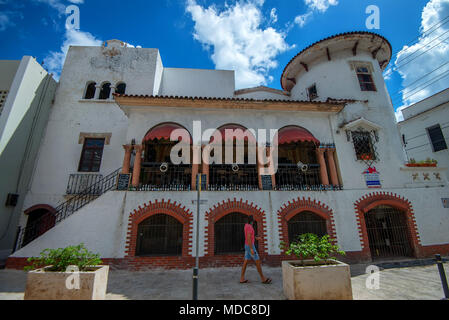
[{"x": 425, "y": 176}]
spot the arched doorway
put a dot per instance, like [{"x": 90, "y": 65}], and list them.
[
  {"x": 306, "y": 222},
  {"x": 41, "y": 218},
  {"x": 159, "y": 235},
  {"x": 235, "y": 168},
  {"x": 229, "y": 234},
  {"x": 158, "y": 172},
  {"x": 388, "y": 232},
  {"x": 298, "y": 166}
]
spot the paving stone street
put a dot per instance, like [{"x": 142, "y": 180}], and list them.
[{"x": 407, "y": 283}]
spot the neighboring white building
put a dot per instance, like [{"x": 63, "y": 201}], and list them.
[
  {"x": 26, "y": 94},
  {"x": 425, "y": 129},
  {"x": 114, "y": 112}
]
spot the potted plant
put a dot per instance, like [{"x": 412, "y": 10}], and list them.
[
  {"x": 425, "y": 163},
  {"x": 315, "y": 275},
  {"x": 71, "y": 273}
]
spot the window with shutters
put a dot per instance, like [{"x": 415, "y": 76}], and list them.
[{"x": 437, "y": 138}]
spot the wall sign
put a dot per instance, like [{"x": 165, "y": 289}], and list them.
[
  {"x": 372, "y": 178},
  {"x": 123, "y": 181},
  {"x": 267, "y": 183}
]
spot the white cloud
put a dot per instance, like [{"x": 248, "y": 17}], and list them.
[
  {"x": 55, "y": 60},
  {"x": 433, "y": 12},
  {"x": 59, "y": 4},
  {"x": 5, "y": 22},
  {"x": 313, "y": 6},
  {"x": 273, "y": 16},
  {"x": 238, "y": 41}
]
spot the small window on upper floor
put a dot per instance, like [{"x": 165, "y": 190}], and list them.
[
  {"x": 90, "y": 90},
  {"x": 312, "y": 92},
  {"x": 363, "y": 145},
  {"x": 105, "y": 91},
  {"x": 121, "y": 88},
  {"x": 437, "y": 138},
  {"x": 365, "y": 78}
]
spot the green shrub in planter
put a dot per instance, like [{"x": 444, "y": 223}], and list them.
[
  {"x": 60, "y": 259},
  {"x": 311, "y": 246}
]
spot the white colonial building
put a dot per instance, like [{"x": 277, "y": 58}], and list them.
[
  {"x": 425, "y": 129},
  {"x": 104, "y": 175}
]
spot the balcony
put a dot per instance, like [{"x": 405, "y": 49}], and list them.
[
  {"x": 290, "y": 177},
  {"x": 242, "y": 177},
  {"x": 161, "y": 176},
  {"x": 78, "y": 183}
]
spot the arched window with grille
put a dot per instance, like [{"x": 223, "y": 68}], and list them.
[
  {"x": 306, "y": 222},
  {"x": 120, "y": 88},
  {"x": 90, "y": 90},
  {"x": 229, "y": 233},
  {"x": 159, "y": 235},
  {"x": 105, "y": 91}
]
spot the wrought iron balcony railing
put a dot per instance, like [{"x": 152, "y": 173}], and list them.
[
  {"x": 164, "y": 177},
  {"x": 79, "y": 182},
  {"x": 290, "y": 177},
  {"x": 226, "y": 177}
]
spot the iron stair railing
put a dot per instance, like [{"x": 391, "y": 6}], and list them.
[{"x": 43, "y": 224}]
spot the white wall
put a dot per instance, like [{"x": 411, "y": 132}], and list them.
[{"x": 103, "y": 224}]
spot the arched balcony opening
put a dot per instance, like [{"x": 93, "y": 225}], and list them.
[
  {"x": 105, "y": 91},
  {"x": 158, "y": 170},
  {"x": 159, "y": 235},
  {"x": 298, "y": 163},
  {"x": 233, "y": 160},
  {"x": 120, "y": 88},
  {"x": 229, "y": 233},
  {"x": 306, "y": 222}
]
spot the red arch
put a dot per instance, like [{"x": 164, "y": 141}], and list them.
[
  {"x": 291, "y": 209},
  {"x": 161, "y": 125},
  {"x": 222, "y": 209},
  {"x": 172, "y": 209},
  {"x": 294, "y": 133},
  {"x": 373, "y": 200},
  {"x": 40, "y": 207}
]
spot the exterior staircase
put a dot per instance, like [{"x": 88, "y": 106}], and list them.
[{"x": 66, "y": 209}]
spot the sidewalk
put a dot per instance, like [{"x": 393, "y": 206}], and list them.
[{"x": 413, "y": 283}]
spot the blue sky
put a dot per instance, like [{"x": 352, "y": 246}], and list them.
[{"x": 256, "y": 38}]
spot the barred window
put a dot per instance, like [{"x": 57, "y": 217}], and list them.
[
  {"x": 365, "y": 79},
  {"x": 306, "y": 222},
  {"x": 363, "y": 145},
  {"x": 91, "y": 155},
  {"x": 437, "y": 138},
  {"x": 229, "y": 233},
  {"x": 160, "y": 234}
]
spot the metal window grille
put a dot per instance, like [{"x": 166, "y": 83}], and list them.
[
  {"x": 388, "y": 233},
  {"x": 437, "y": 138},
  {"x": 165, "y": 177},
  {"x": 365, "y": 146},
  {"x": 226, "y": 177},
  {"x": 159, "y": 235},
  {"x": 290, "y": 177},
  {"x": 306, "y": 222},
  {"x": 229, "y": 233}
]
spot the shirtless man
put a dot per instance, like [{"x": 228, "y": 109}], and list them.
[{"x": 251, "y": 252}]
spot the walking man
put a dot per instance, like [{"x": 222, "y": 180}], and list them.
[{"x": 251, "y": 252}]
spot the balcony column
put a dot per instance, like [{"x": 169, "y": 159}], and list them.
[
  {"x": 97, "y": 92},
  {"x": 196, "y": 161},
  {"x": 332, "y": 167},
  {"x": 260, "y": 167},
  {"x": 127, "y": 159},
  {"x": 137, "y": 165},
  {"x": 323, "y": 168}
]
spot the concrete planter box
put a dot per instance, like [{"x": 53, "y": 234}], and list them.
[
  {"x": 316, "y": 282},
  {"x": 47, "y": 285}
]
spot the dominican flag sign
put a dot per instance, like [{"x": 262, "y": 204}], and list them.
[{"x": 372, "y": 178}]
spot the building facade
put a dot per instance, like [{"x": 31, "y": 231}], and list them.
[
  {"x": 26, "y": 94},
  {"x": 105, "y": 174},
  {"x": 425, "y": 129}
]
